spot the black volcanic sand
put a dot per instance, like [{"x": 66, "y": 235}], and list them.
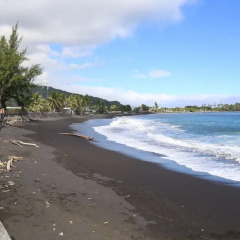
[{"x": 68, "y": 188}]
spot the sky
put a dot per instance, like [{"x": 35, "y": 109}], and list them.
[{"x": 173, "y": 52}]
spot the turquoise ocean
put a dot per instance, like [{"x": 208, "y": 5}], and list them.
[{"x": 203, "y": 144}]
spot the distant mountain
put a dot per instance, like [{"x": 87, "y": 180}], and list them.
[{"x": 42, "y": 90}]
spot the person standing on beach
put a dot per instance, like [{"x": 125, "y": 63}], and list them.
[{"x": 1, "y": 117}]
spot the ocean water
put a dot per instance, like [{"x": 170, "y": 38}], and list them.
[{"x": 205, "y": 144}]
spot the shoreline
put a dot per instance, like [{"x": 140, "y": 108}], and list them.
[
  {"x": 157, "y": 158},
  {"x": 50, "y": 202},
  {"x": 173, "y": 205}
]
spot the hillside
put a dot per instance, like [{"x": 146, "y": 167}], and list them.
[{"x": 42, "y": 90}]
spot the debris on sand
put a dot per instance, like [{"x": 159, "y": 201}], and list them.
[
  {"x": 20, "y": 143},
  {"x": 11, "y": 160}
]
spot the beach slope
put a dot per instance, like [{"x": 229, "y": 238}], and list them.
[{"x": 72, "y": 189}]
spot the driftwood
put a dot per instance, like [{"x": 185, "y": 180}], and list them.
[
  {"x": 24, "y": 143},
  {"x": 14, "y": 142},
  {"x": 9, "y": 165},
  {"x": 76, "y": 135},
  {"x": 10, "y": 162},
  {"x": 20, "y": 143}
]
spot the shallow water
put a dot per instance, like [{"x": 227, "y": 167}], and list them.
[{"x": 206, "y": 144}]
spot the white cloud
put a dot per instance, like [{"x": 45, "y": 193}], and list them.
[
  {"x": 44, "y": 48},
  {"x": 53, "y": 60},
  {"x": 135, "y": 98},
  {"x": 42, "y": 79},
  {"x": 44, "y": 56},
  {"x": 80, "y": 22},
  {"x": 77, "y": 51},
  {"x": 157, "y": 73}
]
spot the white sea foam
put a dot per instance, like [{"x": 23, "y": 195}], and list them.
[{"x": 219, "y": 156}]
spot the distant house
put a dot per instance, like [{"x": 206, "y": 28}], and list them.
[{"x": 68, "y": 111}]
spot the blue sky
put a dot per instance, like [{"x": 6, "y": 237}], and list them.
[{"x": 176, "y": 52}]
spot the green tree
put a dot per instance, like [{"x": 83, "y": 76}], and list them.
[
  {"x": 136, "y": 109},
  {"x": 113, "y": 108},
  {"x": 24, "y": 100},
  {"x": 87, "y": 101},
  {"x": 38, "y": 104},
  {"x": 100, "y": 107},
  {"x": 76, "y": 102},
  {"x": 63, "y": 100},
  {"x": 125, "y": 108},
  {"x": 128, "y": 108},
  {"x": 55, "y": 101},
  {"x": 16, "y": 79},
  {"x": 72, "y": 102},
  {"x": 144, "y": 107}
]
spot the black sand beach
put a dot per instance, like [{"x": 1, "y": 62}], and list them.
[{"x": 69, "y": 188}]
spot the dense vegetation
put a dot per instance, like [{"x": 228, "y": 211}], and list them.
[
  {"x": 57, "y": 101},
  {"x": 43, "y": 91},
  {"x": 203, "y": 108},
  {"x": 51, "y": 99}
]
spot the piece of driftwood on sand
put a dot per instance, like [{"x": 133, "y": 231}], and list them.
[
  {"x": 24, "y": 143},
  {"x": 10, "y": 162},
  {"x": 77, "y": 135},
  {"x": 20, "y": 143}
]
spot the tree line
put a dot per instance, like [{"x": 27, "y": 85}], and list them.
[
  {"x": 78, "y": 103},
  {"x": 204, "y": 108}
]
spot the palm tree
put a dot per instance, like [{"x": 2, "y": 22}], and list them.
[
  {"x": 64, "y": 100},
  {"x": 113, "y": 108},
  {"x": 100, "y": 107},
  {"x": 76, "y": 102},
  {"x": 79, "y": 103},
  {"x": 55, "y": 101},
  {"x": 87, "y": 101},
  {"x": 72, "y": 101},
  {"x": 37, "y": 103}
]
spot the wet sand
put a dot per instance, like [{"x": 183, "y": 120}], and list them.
[{"x": 72, "y": 187}]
